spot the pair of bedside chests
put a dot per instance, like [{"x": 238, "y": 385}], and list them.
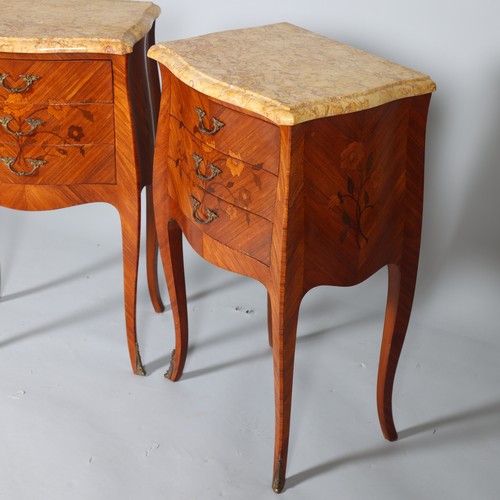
[{"x": 280, "y": 155}]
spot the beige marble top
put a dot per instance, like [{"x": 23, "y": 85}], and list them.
[
  {"x": 288, "y": 74},
  {"x": 97, "y": 26}
]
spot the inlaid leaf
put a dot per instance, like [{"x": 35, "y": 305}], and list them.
[
  {"x": 340, "y": 197},
  {"x": 350, "y": 185},
  {"x": 82, "y": 151},
  {"x": 88, "y": 115},
  {"x": 369, "y": 164},
  {"x": 366, "y": 198},
  {"x": 346, "y": 219},
  {"x": 257, "y": 181},
  {"x": 230, "y": 184}
]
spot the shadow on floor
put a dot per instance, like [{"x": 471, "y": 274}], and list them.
[
  {"x": 97, "y": 266},
  {"x": 475, "y": 423}
]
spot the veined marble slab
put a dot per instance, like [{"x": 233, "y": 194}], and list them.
[
  {"x": 95, "y": 26},
  {"x": 288, "y": 74}
]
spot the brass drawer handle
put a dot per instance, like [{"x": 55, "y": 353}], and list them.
[
  {"x": 210, "y": 214},
  {"x": 216, "y": 123},
  {"x": 10, "y": 161},
  {"x": 33, "y": 122},
  {"x": 28, "y": 79},
  {"x": 214, "y": 171}
]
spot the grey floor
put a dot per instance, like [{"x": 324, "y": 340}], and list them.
[{"x": 76, "y": 424}]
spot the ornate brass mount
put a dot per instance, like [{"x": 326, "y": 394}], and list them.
[
  {"x": 217, "y": 124},
  {"x": 279, "y": 478},
  {"x": 32, "y": 122},
  {"x": 214, "y": 171},
  {"x": 10, "y": 162},
  {"x": 211, "y": 215},
  {"x": 139, "y": 367},
  {"x": 171, "y": 368},
  {"x": 28, "y": 79}
]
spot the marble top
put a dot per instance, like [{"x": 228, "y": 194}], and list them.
[
  {"x": 288, "y": 74},
  {"x": 96, "y": 26}
]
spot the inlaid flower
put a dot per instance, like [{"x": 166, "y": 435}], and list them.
[
  {"x": 231, "y": 211},
  {"x": 17, "y": 105},
  {"x": 58, "y": 151},
  {"x": 352, "y": 156},
  {"x": 58, "y": 111},
  {"x": 245, "y": 197},
  {"x": 354, "y": 202},
  {"x": 75, "y": 132},
  {"x": 234, "y": 166}
]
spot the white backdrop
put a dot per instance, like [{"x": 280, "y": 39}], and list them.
[{"x": 77, "y": 425}]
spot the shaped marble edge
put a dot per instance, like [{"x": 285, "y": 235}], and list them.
[
  {"x": 274, "y": 109},
  {"x": 115, "y": 32}
]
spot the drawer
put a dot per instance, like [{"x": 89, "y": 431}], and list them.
[
  {"x": 42, "y": 164},
  {"x": 232, "y": 226},
  {"x": 239, "y": 183},
  {"x": 57, "y": 124},
  {"x": 241, "y": 136},
  {"x": 55, "y": 82}
]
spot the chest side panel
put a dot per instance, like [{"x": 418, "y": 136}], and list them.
[{"x": 355, "y": 193}]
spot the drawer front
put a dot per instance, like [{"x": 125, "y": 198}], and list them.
[
  {"x": 55, "y": 82},
  {"x": 57, "y": 124},
  {"x": 239, "y": 183},
  {"x": 42, "y": 164},
  {"x": 238, "y": 229},
  {"x": 241, "y": 136}
]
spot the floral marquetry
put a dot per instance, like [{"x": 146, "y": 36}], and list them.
[
  {"x": 323, "y": 184},
  {"x": 78, "y": 113},
  {"x": 52, "y": 129},
  {"x": 17, "y": 105},
  {"x": 354, "y": 201}
]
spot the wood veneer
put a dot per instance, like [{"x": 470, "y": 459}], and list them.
[
  {"x": 97, "y": 145},
  {"x": 348, "y": 202}
]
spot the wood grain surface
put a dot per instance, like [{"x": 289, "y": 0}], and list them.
[
  {"x": 113, "y": 166},
  {"x": 348, "y": 201}
]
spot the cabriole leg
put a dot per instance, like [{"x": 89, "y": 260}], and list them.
[{"x": 170, "y": 238}]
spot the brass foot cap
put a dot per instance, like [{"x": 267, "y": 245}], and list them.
[
  {"x": 277, "y": 490},
  {"x": 139, "y": 368},
  {"x": 279, "y": 477},
  {"x": 171, "y": 368}
]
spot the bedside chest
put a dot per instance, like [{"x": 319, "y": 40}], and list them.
[
  {"x": 78, "y": 112},
  {"x": 298, "y": 161}
]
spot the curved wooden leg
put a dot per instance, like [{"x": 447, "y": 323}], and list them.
[
  {"x": 402, "y": 278},
  {"x": 403, "y": 273},
  {"x": 269, "y": 321},
  {"x": 153, "y": 100},
  {"x": 152, "y": 254},
  {"x": 131, "y": 230},
  {"x": 170, "y": 239},
  {"x": 284, "y": 329}
]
